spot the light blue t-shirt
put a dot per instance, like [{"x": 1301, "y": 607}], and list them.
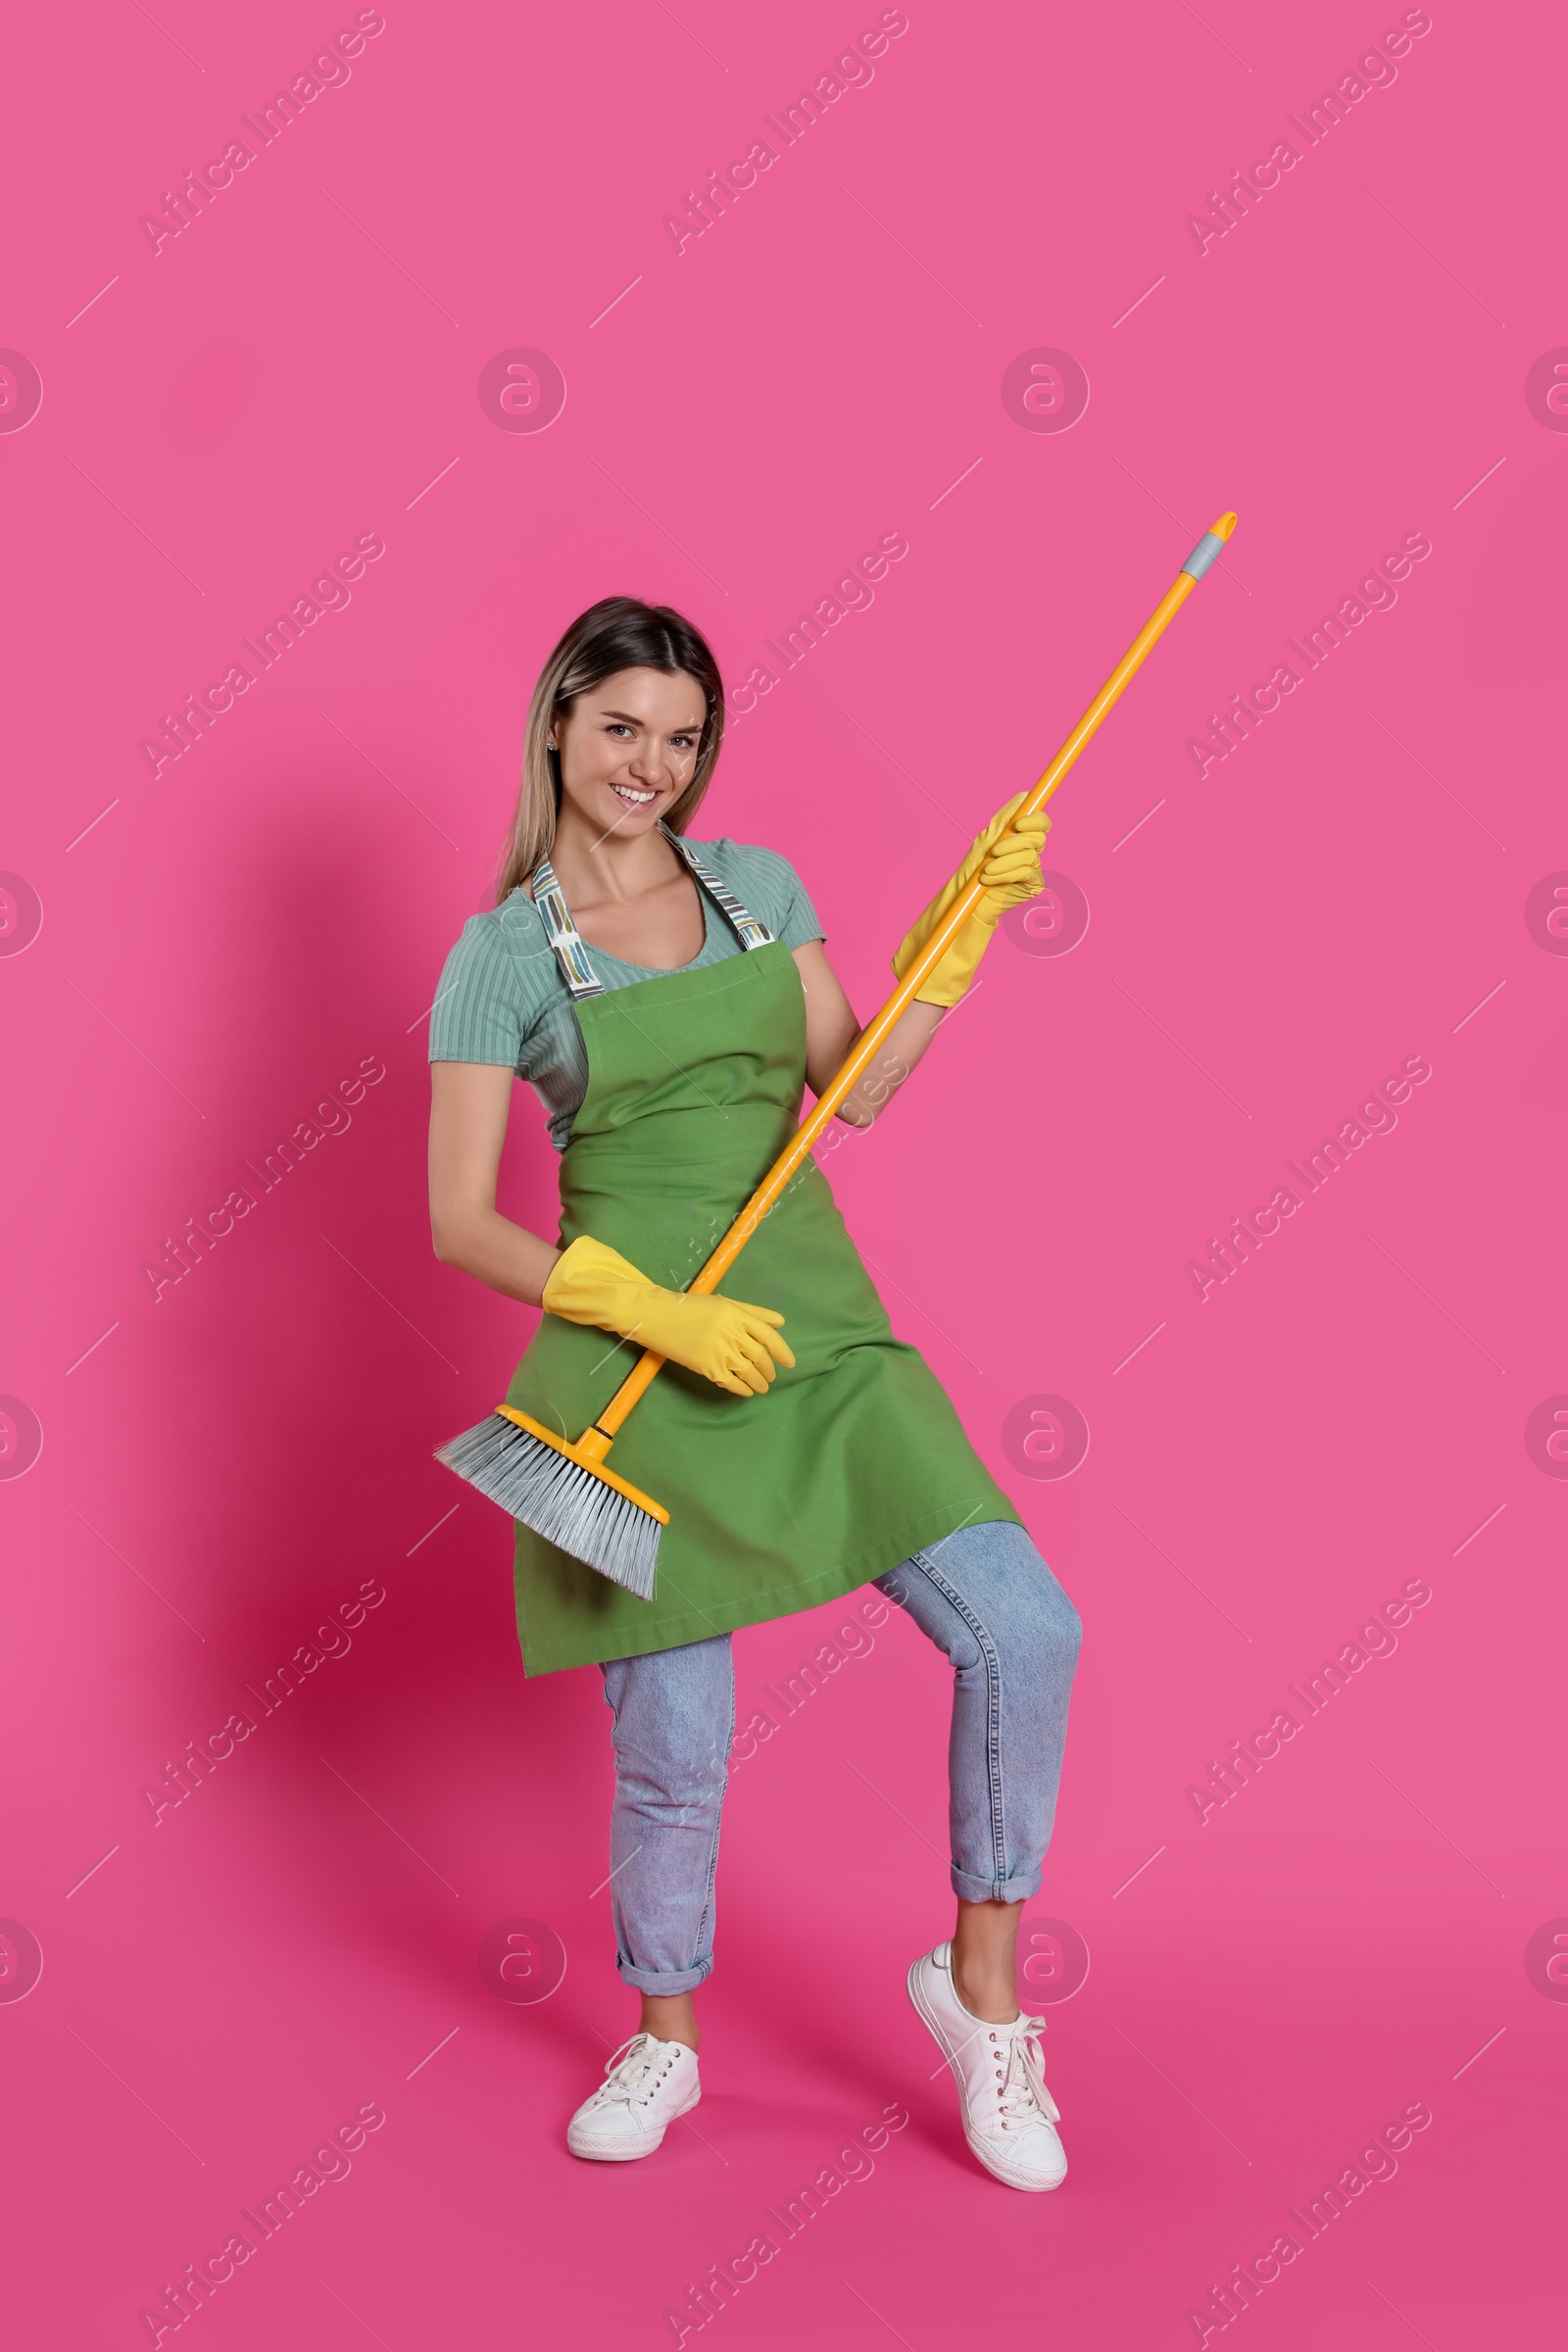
[{"x": 502, "y": 998}]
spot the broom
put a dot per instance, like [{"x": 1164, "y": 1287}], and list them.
[{"x": 561, "y": 1490}]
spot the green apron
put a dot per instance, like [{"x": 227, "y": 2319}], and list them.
[{"x": 853, "y": 1459}]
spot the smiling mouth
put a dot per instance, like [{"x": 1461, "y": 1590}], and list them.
[{"x": 633, "y": 797}]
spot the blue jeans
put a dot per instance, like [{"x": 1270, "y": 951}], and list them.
[{"x": 985, "y": 1597}]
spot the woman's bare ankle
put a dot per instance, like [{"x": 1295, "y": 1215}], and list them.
[
  {"x": 986, "y": 1996},
  {"x": 985, "y": 1944},
  {"x": 670, "y": 2017}
]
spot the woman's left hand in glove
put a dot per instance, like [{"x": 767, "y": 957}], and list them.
[{"x": 1007, "y": 863}]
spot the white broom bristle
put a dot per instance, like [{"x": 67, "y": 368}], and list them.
[{"x": 560, "y": 1499}]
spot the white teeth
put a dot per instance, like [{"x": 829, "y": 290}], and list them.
[{"x": 638, "y": 799}]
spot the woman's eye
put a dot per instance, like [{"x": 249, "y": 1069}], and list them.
[{"x": 617, "y": 728}]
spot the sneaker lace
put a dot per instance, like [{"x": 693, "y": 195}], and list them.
[
  {"x": 626, "y": 2071},
  {"x": 1023, "y": 2097}
]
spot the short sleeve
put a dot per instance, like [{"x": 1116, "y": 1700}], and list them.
[
  {"x": 769, "y": 885},
  {"x": 479, "y": 1014},
  {"x": 799, "y": 923}
]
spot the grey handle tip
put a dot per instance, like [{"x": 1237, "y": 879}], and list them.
[{"x": 1208, "y": 551}]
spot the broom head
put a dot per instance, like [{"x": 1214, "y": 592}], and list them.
[{"x": 563, "y": 1492}]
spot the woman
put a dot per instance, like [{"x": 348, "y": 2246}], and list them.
[{"x": 668, "y": 1003}]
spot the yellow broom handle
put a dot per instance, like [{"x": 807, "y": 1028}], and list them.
[{"x": 876, "y": 1032}]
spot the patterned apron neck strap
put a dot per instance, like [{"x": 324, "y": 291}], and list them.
[
  {"x": 571, "y": 949},
  {"x": 748, "y": 929},
  {"x": 571, "y": 954}
]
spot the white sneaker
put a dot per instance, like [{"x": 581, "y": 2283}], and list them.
[
  {"x": 1009, "y": 2117},
  {"x": 647, "y": 2084}
]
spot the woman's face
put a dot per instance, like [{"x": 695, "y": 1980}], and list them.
[{"x": 628, "y": 748}]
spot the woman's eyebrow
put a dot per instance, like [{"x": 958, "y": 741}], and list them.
[{"x": 691, "y": 727}]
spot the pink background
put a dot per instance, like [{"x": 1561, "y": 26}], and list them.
[{"x": 223, "y": 944}]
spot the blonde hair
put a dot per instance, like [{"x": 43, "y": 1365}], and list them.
[{"x": 620, "y": 632}]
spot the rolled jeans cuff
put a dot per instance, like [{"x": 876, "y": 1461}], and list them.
[
  {"x": 664, "y": 1981},
  {"x": 1019, "y": 1888}
]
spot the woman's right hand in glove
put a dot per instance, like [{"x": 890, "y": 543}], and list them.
[{"x": 735, "y": 1345}]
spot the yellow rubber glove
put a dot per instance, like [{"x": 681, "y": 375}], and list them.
[
  {"x": 735, "y": 1345},
  {"x": 1010, "y": 874}
]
